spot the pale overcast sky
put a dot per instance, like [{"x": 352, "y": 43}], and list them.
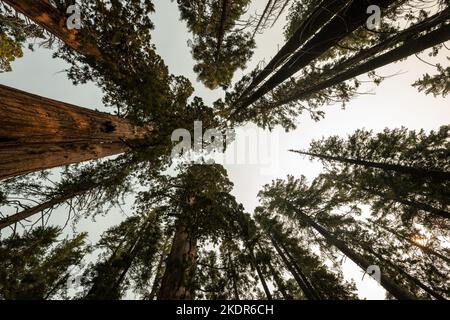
[{"x": 393, "y": 104}]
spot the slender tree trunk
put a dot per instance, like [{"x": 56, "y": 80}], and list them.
[
  {"x": 180, "y": 268},
  {"x": 280, "y": 12},
  {"x": 270, "y": 11},
  {"x": 409, "y": 48},
  {"x": 425, "y": 25},
  {"x": 410, "y": 203},
  {"x": 280, "y": 285},
  {"x": 412, "y": 279},
  {"x": 158, "y": 274},
  {"x": 425, "y": 249},
  {"x": 77, "y": 189},
  {"x": 311, "y": 288},
  {"x": 260, "y": 274},
  {"x": 299, "y": 278},
  {"x": 221, "y": 28},
  {"x": 399, "y": 199},
  {"x": 279, "y": 282},
  {"x": 55, "y": 22},
  {"x": 22, "y": 215},
  {"x": 262, "y": 17},
  {"x": 233, "y": 278},
  {"x": 37, "y": 133},
  {"x": 316, "y": 19},
  {"x": 387, "y": 283},
  {"x": 416, "y": 172},
  {"x": 337, "y": 29},
  {"x": 107, "y": 291}
]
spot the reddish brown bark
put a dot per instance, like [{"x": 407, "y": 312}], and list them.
[
  {"x": 37, "y": 133},
  {"x": 55, "y": 22},
  {"x": 181, "y": 265}
]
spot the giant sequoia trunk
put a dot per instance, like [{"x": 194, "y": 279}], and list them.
[
  {"x": 55, "y": 22},
  {"x": 181, "y": 265},
  {"x": 388, "y": 283},
  {"x": 37, "y": 133}
]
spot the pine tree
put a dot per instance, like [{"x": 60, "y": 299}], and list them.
[
  {"x": 131, "y": 250},
  {"x": 218, "y": 46},
  {"x": 296, "y": 200},
  {"x": 396, "y": 168},
  {"x": 35, "y": 265}
]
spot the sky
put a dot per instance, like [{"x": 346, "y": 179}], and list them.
[{"x": 393, "y": 104}]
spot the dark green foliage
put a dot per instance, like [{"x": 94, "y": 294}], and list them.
[
  {"x": 36, "y": 264},
  {"x": 127, "y": 260},
  {"x": 218, "y": 45},
  {"x": 332, "y": 208},
  {"x": 438, "y": 84},
  {"x": 412, "y": 195}
]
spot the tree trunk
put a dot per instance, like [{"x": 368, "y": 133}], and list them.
[
  {"x": 233, "y": 278},
  {"x": 262, "y": 18},
  {"x": 399, "y": 199},
  {"x": 76, "y": 188},
  {"x": 387, "y": 283},
  {"x": 159, "y": 267},
  {"x": 55, "y": 22},
  {"x": 311, "y": 288},
  {"x": 180, "y": 268},
  {"x": 425, "y": 174},
  {"x": 37, "y": 133},
  {"x": 337, "y": 29},
  {"x": 280, "y": 285},
  {"x": 280, "y": 12},
  {"x": 426, "y": 25},
  {"x": 409, "y": 48},
  {"x": 22, "y": 215},
  {"x": 290, "y": 266},
  {"x": 316, "y": 19},
  {"x": 221, "y": 28},
  {"x": 271, "y": 11},
  {"x": 260, "y": 274},
  {"x": 412, "y": 279},
  {"x": 410, "y": 203}
]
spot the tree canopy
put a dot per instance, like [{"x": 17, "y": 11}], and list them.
[{"x": 176, "y": 228}]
